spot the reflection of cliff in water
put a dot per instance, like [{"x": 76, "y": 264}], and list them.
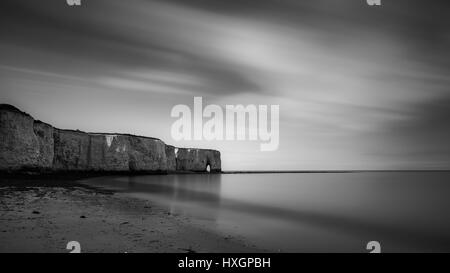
[{"x": 197, "y": 194}]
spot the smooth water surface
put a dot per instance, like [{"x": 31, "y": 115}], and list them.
[{"x": 314, "y": 212}]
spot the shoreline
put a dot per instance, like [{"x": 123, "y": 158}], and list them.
[
  {"x": 38, "y": 175},
  {"x": 43, "y": 216}
]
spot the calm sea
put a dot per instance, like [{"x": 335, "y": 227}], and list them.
[{"x": 308, "y": 212}]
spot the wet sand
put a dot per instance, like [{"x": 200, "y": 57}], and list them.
[{"x": 43, "y": 218}]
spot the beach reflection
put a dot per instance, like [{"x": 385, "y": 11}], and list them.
[{"x": 197, "y": 194}]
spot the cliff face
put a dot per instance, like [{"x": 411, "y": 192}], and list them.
[
  {"x": 171, "y": 158},
  {"x": 78, "y": 151},
  {"x": 26, "y": 144}
]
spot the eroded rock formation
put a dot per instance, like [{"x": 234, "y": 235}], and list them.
[
  {"x": 27, "y": 144},
  {"x": 197, "y": 160}
]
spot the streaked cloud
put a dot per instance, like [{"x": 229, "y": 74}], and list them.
[{"x": 357, "y": 87}]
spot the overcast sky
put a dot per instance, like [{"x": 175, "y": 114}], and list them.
[{"x": 359, "y": 87}]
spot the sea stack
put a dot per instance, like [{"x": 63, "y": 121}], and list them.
[{"x": 32, "y": 146}]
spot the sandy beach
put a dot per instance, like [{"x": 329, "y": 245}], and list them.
[{"x": 38, "y": 217}]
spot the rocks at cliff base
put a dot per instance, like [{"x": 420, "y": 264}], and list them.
[{"x": 26, "y": 144}]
